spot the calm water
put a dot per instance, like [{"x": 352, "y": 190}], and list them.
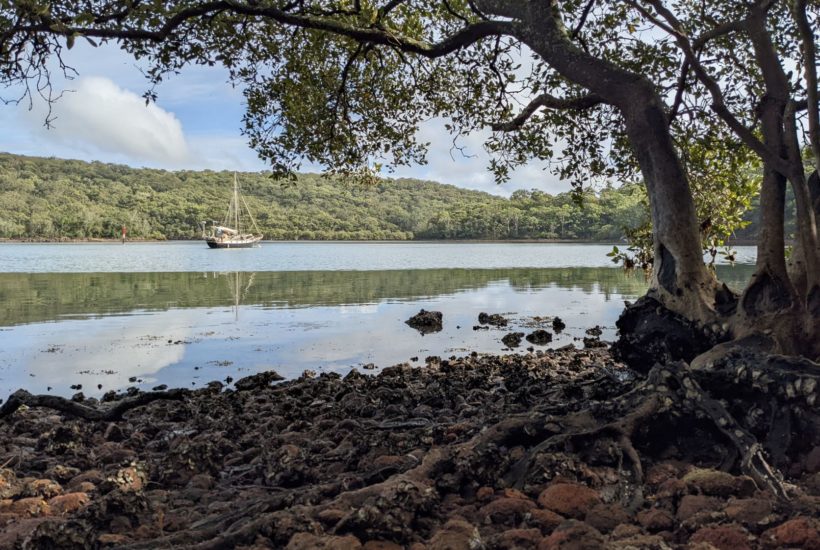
[{"x": 181, "y": 314}]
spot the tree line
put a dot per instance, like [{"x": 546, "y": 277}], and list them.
[{"x": 56, "y": 199}]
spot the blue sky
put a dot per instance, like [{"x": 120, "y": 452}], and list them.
[{"x": 195, "y": 124}]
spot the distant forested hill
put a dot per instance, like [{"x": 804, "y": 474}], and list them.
[{"x": 47, "y": 198}]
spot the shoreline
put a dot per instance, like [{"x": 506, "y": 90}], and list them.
[
  {"x": 411, "y": 457},
  {"x": 744, "y": 242}
]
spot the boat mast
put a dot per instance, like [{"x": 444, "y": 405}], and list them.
[{"x": 236, "y": 204}]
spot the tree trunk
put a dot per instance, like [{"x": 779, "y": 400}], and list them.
[{"x": 680, "y": 281}]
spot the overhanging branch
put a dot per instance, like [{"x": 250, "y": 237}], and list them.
[
  {"x": 468, "y": 35},
  {"x": 549, "y": 101}
]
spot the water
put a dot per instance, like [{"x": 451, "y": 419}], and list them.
[
  {"x": 183, "y": 315},
  {"x": 194, "y": 256}
]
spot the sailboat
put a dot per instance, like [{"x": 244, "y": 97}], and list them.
[{"x": 225, "y": 236}]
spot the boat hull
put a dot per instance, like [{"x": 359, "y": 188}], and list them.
[{"x": 238, "y": 243}]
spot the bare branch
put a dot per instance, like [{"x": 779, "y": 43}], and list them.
[
  {"x": 549, "y": 101},
  {"x": 583, "y": 19},
  {"x": 673, "y": 26},
  {"x": 810, "y": 74}
]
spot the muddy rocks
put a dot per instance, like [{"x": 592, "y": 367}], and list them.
[
  {"x": 456, "y": 534},
  {"x": 595, "y": 331},
  {"x": 257, "y": 381},
  {"x": 800, "y": 532},
  {"x": 545, "y": 520},
  {"x": 9, "y": 484},
  {"x": 723, "y": 537},
  {"x": 573, "y": 535},
  {"x": 426, "y": 321},
  {"x": 569, "y": 499},
  {"x": 558, "y": 325},
  {"x": 128, "y": 480},
  {"x": 517, "y": 539},
  {"x": 493, "y": 319},
  {"x": 751, "y": 512},
  {"x": 691, "y": 505},
  {"x": 539, "y": 337},
  {"x": 45, "y": 488},
  {"x": 513, "y": 339},
  {"x": 30, "y": 507},
  {"x": 307, "y": 541},
  {"x": 656, "y": 519},
  {"x": 605, "y": 517},
  {"x": 68, "y": 503},
  {"x": 506, "y": 510},
  {"x": 717, "y": 483}
]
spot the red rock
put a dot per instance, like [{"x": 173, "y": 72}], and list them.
[
  {"x": 723, "y": 537},
  {"x": 625, "y": 530},
  {"x": 45, "y": 488},
  {"x": 308, "y": 541},
  {"x": 484, "y": 493},
  {"x": 91, "y": 476},
  {"x": 68, "y": 503},
  {"x": 129, "y": 480},
  {"x": 504, "y": 510},
  {"x": 515, "y": 539},
  {"x": 456, "y": 534},
  {"x": 661, "y": 472},
  {"x": 514, "y": 493},
  {"x": 544, "y": 520},
  {"x": 656, "y": 519},
  {"x": 568, "y": 499},
  {"x": 10, "y": 486},
  {"x": 695, "y": 504},
  {"x": 717, "y": 483},
  {"x": 671, "y": 488},
  {"x": 750, "y": 511},
  {"x": 800, "y": 532},
  {"x": 605, "y": 517},
  {"x": 331, "y": 516},
  {"x": 573, "y": 535},
  {"x": 32, "y": 506},
  {"x": 62, "y": 473},
  {"x": 643, "y": 542},
  {"x": 83, "y": 487},
  {"x": 381, "y": 545}
]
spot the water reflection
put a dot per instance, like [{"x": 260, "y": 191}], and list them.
[{"x": 186, "y": 329}]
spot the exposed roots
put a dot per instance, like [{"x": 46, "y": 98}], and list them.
[
  {"x": 79, "y": 410},
  {"x": 729, "y": 412}
]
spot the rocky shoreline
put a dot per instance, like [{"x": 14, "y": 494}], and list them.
[{"x": 420, "y": 458}]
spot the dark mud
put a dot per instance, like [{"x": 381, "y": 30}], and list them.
[{"x": 409, "y": 458}]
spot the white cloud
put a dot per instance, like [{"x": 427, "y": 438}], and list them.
[
  {"x": 468, "y": 167},
  {"x": 100, "y": 116}
]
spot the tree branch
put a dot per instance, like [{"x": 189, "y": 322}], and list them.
[
  {"x": 673, "y": 26},
  {"x": 810, "y": 74},
  {"x": 546, "y": 100},
  {"x": 382, "y": 36}
]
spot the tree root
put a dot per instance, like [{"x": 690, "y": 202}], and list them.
[
  {"x": 73, "y": 408},
  {"x": 669, "y": 389}
]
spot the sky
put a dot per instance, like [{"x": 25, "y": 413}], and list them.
[{"x": 195, "y": 124}]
